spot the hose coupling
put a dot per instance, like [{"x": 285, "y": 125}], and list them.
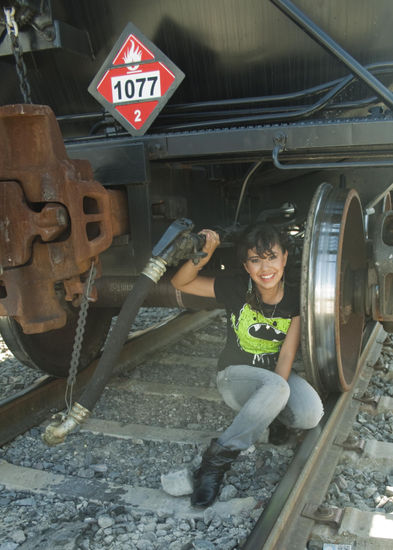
[
  {"x": 155, "y": 269},
  {"x": 62, "y": 425}
]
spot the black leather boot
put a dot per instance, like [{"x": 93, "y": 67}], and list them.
[
  {"x": 216, "y": 460},
  {"x": 278, "y": 433}
]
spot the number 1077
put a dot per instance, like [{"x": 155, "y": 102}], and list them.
[{"x": 136, "y": 86}]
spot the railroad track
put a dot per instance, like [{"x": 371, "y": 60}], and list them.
[
  {"x": 154, "y": 417},
  {"x": 45, "y": 395},
  {"x": 302, "y": 513}
]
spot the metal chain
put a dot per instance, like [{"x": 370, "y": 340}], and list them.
[
  {"x": 13, "y": 33},
  {"x": 79, "y": 334}
]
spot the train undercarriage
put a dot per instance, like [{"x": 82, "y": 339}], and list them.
[
  {"x": 342, "y": 226},
  {"x": 326, "y": 179}
]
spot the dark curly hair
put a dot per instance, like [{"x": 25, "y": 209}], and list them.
[{"x": 261, "y": 236}]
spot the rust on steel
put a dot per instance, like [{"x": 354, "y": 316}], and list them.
[{"x": 55, "y": 219}]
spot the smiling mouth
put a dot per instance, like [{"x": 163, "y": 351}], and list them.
[{"x": 267, "y": 277}]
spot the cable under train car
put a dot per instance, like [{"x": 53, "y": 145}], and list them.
[{"x": 283, "y": 111}]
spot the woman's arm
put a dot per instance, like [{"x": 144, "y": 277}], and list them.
[
  {"x": 289, "y": 349},
  {"x": 187, "y": 279}
]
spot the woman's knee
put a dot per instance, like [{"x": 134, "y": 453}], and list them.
[
  {"x": 278, "y": 389},
  {"x": 301, "y": 419},
  {"x": 304, "y": 409},
  {"x": 283, "y": 388},
  {"x": 238, "y": 383},
  {"x": 313, "y": 416}
]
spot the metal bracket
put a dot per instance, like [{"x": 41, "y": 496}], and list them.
[
  {"x": 280, "y": 145},
  {"x": 380, "y": 367},
  {"x": 368, "y": 398},
  {"x": 351, "y": 443},
  {"x": 280, "y": 141},
  {"x": 63, "y": 36},
  {"x": 323, "y": 514}
]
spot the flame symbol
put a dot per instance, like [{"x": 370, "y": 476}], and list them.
[{"x": 134, "y": 53}]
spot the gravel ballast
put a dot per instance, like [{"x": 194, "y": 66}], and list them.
[{"x": 38, "y": 521}]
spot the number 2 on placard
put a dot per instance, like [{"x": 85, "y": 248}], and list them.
[{"x": 137, "y": 114}]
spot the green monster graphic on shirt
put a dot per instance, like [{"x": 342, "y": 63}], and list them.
[{"x": 258, "y": 334}]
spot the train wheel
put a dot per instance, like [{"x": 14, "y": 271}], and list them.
[
  {"x": 332, "y": 288},
  {"x": 51, "y": 351}
]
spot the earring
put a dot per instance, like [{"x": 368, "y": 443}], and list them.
[
  {"x": 249, "y": 288},
  {"x": 283, "y": 280}
]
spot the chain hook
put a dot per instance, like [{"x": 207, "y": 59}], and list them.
[
  {"x": 11, "y": 24},
  {"x": 13, "y": 33},
  {"x": 79, "y": 334}
]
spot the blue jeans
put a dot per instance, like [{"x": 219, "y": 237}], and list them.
[{"x": 260, "y": 396}]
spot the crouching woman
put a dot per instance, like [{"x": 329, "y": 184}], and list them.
[{"x": 263, "y": 332}]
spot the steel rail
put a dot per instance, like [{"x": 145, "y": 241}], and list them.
[
  {"x": 35, "y": 404},
  {"x": 280, "y": 525}
]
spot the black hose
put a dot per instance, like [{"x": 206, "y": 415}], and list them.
[
  {"x": 283, "y": 116},
  {"x": 258, "y": 100},
  {"x": 115, "y": 341},
  {"x": 201, "y": 109},
  {"x": 286, "y": 116}
]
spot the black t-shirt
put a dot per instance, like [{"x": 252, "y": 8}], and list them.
[{"x": 254, "y": 337}]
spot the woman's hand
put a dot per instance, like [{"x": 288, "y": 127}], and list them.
[
  {"x": 187, "y": 278},
  {"x": 212, "y": 242}
]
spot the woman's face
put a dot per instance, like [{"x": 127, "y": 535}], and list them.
[{"x": 266, "y": 271}]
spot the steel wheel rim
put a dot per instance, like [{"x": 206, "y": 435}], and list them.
[{"x": 333, "y": 271}]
